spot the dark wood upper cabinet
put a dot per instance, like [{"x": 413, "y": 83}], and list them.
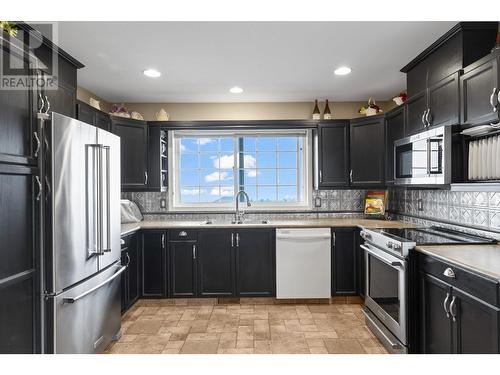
[
  {"x": 134, "y": 152},
  {"x": 479, "y": 87},
  {"x": 443, "y": 101},
  {"x": 394, "y": 130},
  {"x": 215, "y": 257},
  {"x": 333, "y": 154},
  {"x": 367, "y": 151},
  {"x": 465, "y": 43},
  {"x": 416, "y": 107},
  {"x": 154, "y": 263},
  {"x": 344, "y": 262},
  {"x": 92, "y": 116},
  {"x": 157, "y": 158},
  {"x": 255, "y": 263}
]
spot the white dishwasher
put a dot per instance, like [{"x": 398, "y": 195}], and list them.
[{"x": 303, "y": 263}]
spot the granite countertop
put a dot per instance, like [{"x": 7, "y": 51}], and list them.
[
  {"x": 480, "y": 259},
  {"x": 307, "y": 223}
]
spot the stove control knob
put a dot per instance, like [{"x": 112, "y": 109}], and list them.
[
  {"x": 365, "y": 235},
  {"x": 389, "y": 245}
]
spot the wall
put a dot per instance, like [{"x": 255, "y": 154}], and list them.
[
  {"x": 84, "y": 95},
  {"x": 248, "y": 111}
]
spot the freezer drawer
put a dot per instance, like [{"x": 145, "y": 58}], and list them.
[{"x": 86, "y": 318}]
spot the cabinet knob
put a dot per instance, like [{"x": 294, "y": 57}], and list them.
[
  {"x": 449, "y": 273},
  {"x": 183, "y": 234}
]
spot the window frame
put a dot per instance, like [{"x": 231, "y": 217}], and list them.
[{"x": 174, "y": 177}]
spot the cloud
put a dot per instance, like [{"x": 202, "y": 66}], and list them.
[
  {"x": 224, "y": 162},
  {"x": 194, "y": 191},
  {"x": 212, "y": 177},
  {"x": 252, "y": 173},
  {"x": 205, "y": 141},
  {"x": 225, "y": 191}
]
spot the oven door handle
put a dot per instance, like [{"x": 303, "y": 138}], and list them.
[{"x": 379, "y": 257}]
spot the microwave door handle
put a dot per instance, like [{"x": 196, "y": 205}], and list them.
[{"x": 381, "y": 258}]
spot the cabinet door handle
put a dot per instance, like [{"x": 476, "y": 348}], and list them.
[
  {"x": 48, "y": 104},
  {"x": 350, "y": 176},
  {"x": 145, "y": 177},
  {"x": 163, "y": 241},
  {"x": 194, "y": 251},
  {"x": 427, "y": 117},
  {"x": 320, "y": 175},
  {"x": 128, "y": 259},
  {"x": 232, "y": 239},
  {"x": 449, "y": 273},
  {"x": 423, "y": 118},
  {"x": 237, "y": 240},
  {"x": 452, "y": 304},
  {"x": 183, "y": 233},
  {"x": 444, "y": 305},
  {"x": 37, "y": 149},
  {"x": 333, "y": 239},
  {"x": 39, "y": 188},
  {"x": 492, "y": 99},
  {"x": 42, "y": 103}
]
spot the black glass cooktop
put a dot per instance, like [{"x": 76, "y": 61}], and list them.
[{"x": 434, "y": 236}]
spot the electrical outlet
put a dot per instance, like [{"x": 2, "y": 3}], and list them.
[
  {"x": 163, "y": 203},
  {"x": 317, "y": 202},
  {"x": 420, "y": 204}
]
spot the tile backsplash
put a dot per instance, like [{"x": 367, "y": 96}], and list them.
[
  {"x": 479, "y": 210},
  {"x": 332, "y": 201},
  {"x": 472, "y": 209}
]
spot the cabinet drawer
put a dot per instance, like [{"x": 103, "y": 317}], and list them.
[
  {"x": 183, "y": 234},
  {"x": 477, "y": 286}
]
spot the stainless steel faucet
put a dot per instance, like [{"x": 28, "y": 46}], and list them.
[{"x": 238, "y": 216}]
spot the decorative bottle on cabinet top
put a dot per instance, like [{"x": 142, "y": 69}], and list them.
[
  {"x": 327, "y": 115},
  {"x": 316, "y": 112}
]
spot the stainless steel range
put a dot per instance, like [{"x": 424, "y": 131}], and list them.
[{"x": 387, "y": 277}]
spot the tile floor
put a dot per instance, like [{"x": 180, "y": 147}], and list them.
[{"x": 260, "y": 327}]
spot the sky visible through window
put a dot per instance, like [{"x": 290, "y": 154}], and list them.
[{"x": 268, "y": 168}]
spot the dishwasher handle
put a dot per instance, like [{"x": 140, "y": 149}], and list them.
[{"x": 303, "y": 237}]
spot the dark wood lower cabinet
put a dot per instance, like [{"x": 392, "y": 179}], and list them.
[
  {"x": 435, "y": 327},
  {"x": 130, "y": 278},
  {"x": 215, "y": 258},
  {"x": 451, "y": 320},
  {"x": 154, "y": 263},
  {"x": 344, "y": 264},
  {"x": 255, "y": 263},
  {"x": 19, "y": 238},
  {"x": 183, "y": 268}
]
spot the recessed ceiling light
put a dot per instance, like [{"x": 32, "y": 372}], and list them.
[
  {"x": 152, "y": 73},
  {"x": 235, "y": 90},
  {"x": 342, "y": 71}
]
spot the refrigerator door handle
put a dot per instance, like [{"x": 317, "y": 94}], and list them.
[
  {"x": 93, "y": 207},
  {"x": 104, "y": 200},
  {"x": 86, "y": 293}
]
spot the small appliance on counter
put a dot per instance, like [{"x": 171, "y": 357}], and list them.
[
  {"x": 130, "y": 213},
  {"x": 386, "y": 253}
]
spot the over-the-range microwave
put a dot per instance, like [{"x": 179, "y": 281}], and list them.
[{"x": 432, "y": 157}]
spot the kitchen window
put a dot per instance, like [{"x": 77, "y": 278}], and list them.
[{"x": 272, "y": 167}]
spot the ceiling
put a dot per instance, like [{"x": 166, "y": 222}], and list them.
[{"x": 271, "y": 61}]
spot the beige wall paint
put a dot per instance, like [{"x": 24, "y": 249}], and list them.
[
  {"x": 84, "y": 95},
  {"x": 235, "y": 111},
  {"x": 247, "y": 111}
]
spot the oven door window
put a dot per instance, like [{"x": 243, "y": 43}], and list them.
[
  {"x": 411, "y": 160},
  {"x": 383, "y": 287}
]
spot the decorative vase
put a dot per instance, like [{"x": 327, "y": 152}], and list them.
[
  {"x": 162, "y": 115},
  {"x": 136, "y": 115},
  {"x": 398, "y": 100},
  {"x": 371, "y": 111}
]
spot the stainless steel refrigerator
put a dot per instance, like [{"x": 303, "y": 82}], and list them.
[{"x": 80, "y": 267}]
